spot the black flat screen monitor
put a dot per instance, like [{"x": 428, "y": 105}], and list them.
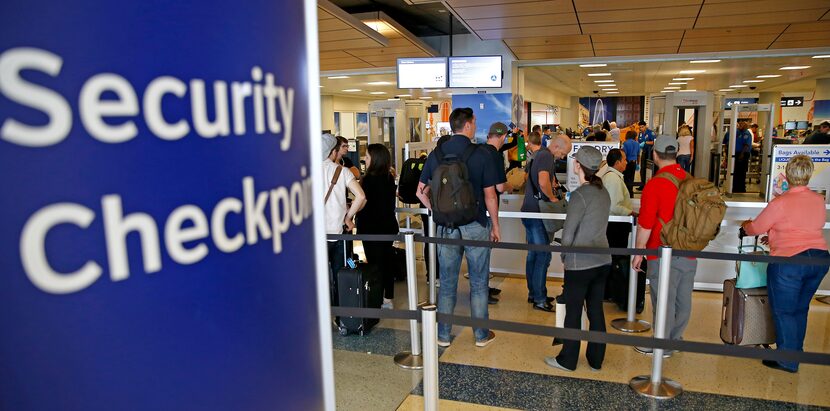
[
  {"x": 801, "y": 125},
  {"x": 429, "y": 72},
  {"x": 475, "y": 72},
  {"x": 790, "y": 125}
]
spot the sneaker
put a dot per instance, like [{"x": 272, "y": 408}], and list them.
[
  {"x": 490, "y": 337},
  {"x": 551, "y": 361},
  {"x": 387, "y": 305},
  {"x": 492, "y": 300},
  {"x": 445, "y": 344},
  {"x": 595, "y": 369},
  {"x": 547, "y": 307},
  {"x": 494, "y": 291}
]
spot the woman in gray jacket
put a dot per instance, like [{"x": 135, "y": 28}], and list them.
[{"x": 585, "y": 274}]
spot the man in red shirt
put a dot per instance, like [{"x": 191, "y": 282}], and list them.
[{"x": 657, "y": 207}]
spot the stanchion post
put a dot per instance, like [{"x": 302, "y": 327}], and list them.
[
  {"x": 433, "y": 259},
  {"x": 430, "y": 336},
  {"x": 630, "y": 324},
  {"x": 655, "y": 386},
  {"x": 411, "y": 360}
]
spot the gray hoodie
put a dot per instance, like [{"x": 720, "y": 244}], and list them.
[{"x": 588, "y": 210}]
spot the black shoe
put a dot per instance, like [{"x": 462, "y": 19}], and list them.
[
  {"x": 548, "y": 299},
  {"x": 492, "y": 300},
  {"x": 544, "y": 307},
  {"x": 640, "y": 308},
  {"x": 494, "y": 291},
  {"x": 556, "y": 341},
  {"x": 776, "y": 366}
]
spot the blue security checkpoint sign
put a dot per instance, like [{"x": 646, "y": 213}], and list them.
[{"x": 157, "y": 240}]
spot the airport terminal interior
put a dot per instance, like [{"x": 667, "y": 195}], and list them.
[{"x": 392, "y": 71}]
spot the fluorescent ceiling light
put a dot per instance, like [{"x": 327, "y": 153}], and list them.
[
  {"x": 683, "y": 79},
  {"x": 337, "y": 77},
  {"x": 435, "y": 90},
  {"x": 351, "y": 90},
  {"x": 754, "y": 81},
  {"x": 726, "y": 89},
  {"x": 393, "y": 99},
  {"x": 671, "y": 88},
  {"x": 379, "y": 83},
  {"x": 603, "y": 81},
  {"x": 667, "y": 91},
  {"x": 692, "y": 71},
  {"x": 823, "y": 56},
  {"x": 704, "y": 61},
  {"x": 425, "y": 98},
  {"x": 687, "y": 91},
  {"x": 321, "y": 86},
  {"x": 738, "y": 86},
  {"x": 608, "y": 85},
  {"x": 598, "y": 74},
  {"x": 378, "y": 92},
  {"x": 613, "y": 92},
  {"x": 768, "y": 76},
  {"x": 593, "y": 65},
  {"x": 611, "y": 89},
  {"x": 794, "y": 67},
  {"x": 404, "y": 95},
  {"x": 678, "y": 84}
]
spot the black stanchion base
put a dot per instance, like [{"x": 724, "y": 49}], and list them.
[
  {"x": 664, "y": 390},
  {"x": 408, "y": 361}
]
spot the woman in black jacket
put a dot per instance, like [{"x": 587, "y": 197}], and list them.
[{"x": 378, "y": 216}]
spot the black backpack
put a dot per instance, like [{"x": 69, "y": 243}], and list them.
[
  {"x": 453, "y": 200},
  {"x": 410, "y": 177}
]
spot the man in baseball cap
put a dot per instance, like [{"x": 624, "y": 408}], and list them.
[
  {"x": 656, "y": 207},
  {"x": 495, "y": 140}
]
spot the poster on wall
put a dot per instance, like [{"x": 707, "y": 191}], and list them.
[
  {"x": 488, "y": 109},
  {"x": 603, "y": 147},
  {"x": 361, "y": 124},
  {"x": 622, "y": 110},
  {"x": 157, "y": 238},
  {"x": 781, "y": 154}
]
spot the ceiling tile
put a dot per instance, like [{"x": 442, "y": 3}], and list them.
[
  {"x": 627, "y": 27},
  {"x": 555, "y": 48},
  {"x": 468, "y": 3},
  {"x": 348, "y": 44},
  {"x": 816, "y": 35},
  {"x": 645, "y": 16},
  {"x": 523, "y": 32},
  {"x": 636, "y": 51},
  {"x": 515, "y": 9},
  {"x": 639, "y": 44},
  {"x": 525, "y": 22},
  {"x": 634, "y": 36},
  {"x": 334, "y": 35},
  {"x": 748, "y": 19},
  {"x": 546, "y": 41},
  {"x": 735, "y": 30},
  {"x": 596, "y": 5},
  {"x": 562, "y": 55},
  {"x": 731, "y": 39},
  {"x": 723, "y": 47},
  {"x": 761, "y": 6},
  {"x": 809, "y": 27},
  {"x": 800, "y": 44}
]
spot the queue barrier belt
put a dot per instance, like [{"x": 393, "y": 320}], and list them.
[{"x": 596, "y": 336}]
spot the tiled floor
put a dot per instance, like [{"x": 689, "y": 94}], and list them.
[{"x": 516, "y": 359}]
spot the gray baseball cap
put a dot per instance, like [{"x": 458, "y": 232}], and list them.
[
  {"x": 589, "y": 157},
  {"x": 665, "y": 144},
  {"x": 329, "y": 142}
]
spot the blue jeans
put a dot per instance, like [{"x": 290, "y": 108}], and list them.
[
  {"x": 536, "y": 266},
  {"x": 790, "y": 288},
  {"x": 685, "y": 161},
  {"x": 449, "y": 259}
]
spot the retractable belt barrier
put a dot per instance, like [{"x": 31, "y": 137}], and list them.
[{"x": 596, "y": 336}]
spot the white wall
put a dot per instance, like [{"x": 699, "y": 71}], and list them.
[{"x": 342, "y": 104}]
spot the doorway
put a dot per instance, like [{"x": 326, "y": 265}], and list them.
[{"x": 688, "y": 116}]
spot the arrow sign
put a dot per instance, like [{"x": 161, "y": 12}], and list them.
[{"x": 827, "y": 152}]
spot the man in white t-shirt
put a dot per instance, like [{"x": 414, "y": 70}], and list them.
[{"x": 337, "y": 217}]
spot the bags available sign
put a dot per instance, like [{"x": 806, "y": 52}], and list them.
[
  {"x": 781, "y": 154},
  {"x": 156, "y": 240}
]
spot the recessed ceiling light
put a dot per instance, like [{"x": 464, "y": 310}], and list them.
[
  {"x": 687, "y": 91},
  {"x": 337, "y": 77},
  {"x": 603, "y": 81},
  {"x": 768, "y": 76},
  {"x": 613, "y": 92},
  {"x": 683, "y": 79},
  {"x": 678, "y": 84},
  {"x": 393, "y": 99},
  {"x": 435, "y": 90},
  {"x": 321, "y": 86},
  {"x": 378, "y": 92},
  {"x": 598, "y": 74},
  {"x": 692, "y": 71},
  {"x": 667, "y": 91},
  {"x": 754, "y": 81},
  {"x": 607, "y": 85},
  {"x": 593, "y": 65},
  {"x": 823, "y": 56},
  {"x": 379, "y": 83},
  {"x": 404, "y": 95},
  {"x": 704, "y": 61},
  {"x": 794, "y": 67},
  {"x": 671, "y": 88},
  {"x": 611, "y": 89},
  {"x": 738, "y": 86},
  {"x": 351, "y": 90},
  {"x": 425, "y": 98},
  {"x": 726, "y": 89}
]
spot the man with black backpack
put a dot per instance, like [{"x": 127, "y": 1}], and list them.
[{"x": 459, "y": 185}]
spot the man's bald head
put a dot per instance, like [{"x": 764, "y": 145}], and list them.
[{"x": 560, "y": 146}]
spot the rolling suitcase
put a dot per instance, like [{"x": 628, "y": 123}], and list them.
[
  {"x": 359, "y": 287},
  {"x": 617, "y": 285},
  {"x": 746, "y": 317}
]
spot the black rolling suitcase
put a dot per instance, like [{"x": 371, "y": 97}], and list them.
[
  {"x": 617, "y": 284},
  {"x": 359, "y": 287}
]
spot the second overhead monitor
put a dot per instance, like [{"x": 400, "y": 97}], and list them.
[
  {"x": 475, "y": 72},
  {"x": 430, "y": 72}
]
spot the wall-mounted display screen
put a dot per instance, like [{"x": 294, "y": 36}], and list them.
[
  {"x": 475, "y": 72},
  {"x": 790, "y": 125},
  {"x": 801, "y": 125},
  {"x": 430, "y": 72}
]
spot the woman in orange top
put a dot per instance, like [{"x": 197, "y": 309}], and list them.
[{"x": 794, "y": 222}]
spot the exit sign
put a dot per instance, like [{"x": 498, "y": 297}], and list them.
[{"x": 792, "y": 101}]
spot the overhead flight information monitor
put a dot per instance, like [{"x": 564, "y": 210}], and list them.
[
  {"x": 430, "y": 72},
  {"x": 475, "y": 72}
]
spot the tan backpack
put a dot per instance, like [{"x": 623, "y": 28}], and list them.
[{"x": 698, "y": 212}]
